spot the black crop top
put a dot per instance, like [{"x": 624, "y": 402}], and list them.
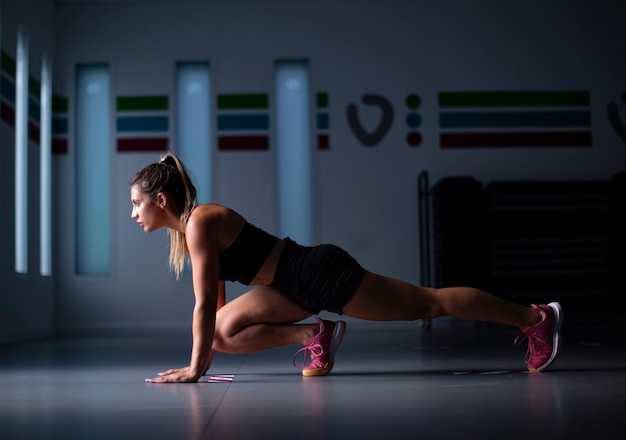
[{"x": 244, "y": 257}]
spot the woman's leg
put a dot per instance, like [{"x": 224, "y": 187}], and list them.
[
  {"x": 260, "y": 319},
  {"x": 380, "y": 298}
]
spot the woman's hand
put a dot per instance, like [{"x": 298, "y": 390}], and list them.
[{"x": 175, "y": 375}]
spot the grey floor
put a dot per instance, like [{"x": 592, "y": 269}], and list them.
[{"x": 389, "y": 382}]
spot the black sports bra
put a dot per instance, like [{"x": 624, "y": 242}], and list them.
[{"x": 244, "y": 257}]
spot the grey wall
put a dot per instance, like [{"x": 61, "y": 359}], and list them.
[
  {"x": 26, "y": 300},
  {"x": 365, "y": 197}
]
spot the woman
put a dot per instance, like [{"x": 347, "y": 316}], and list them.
[{"x": 295, "y": 282}]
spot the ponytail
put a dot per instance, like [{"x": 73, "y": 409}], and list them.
[{"x": 170, "y": 177}]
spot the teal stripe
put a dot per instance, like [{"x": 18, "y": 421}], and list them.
[
  {"x": 7, "y": 89},
  {"x": 128, "y": 124},
  {"x": 34, "y": 109},
  {"x": 322, "y": 121},
  {"x": 514, "y": 119},
  {"x": 59, "y": 125},
  {"x": 243, "y": 122}
]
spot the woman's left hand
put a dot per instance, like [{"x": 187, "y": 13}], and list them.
[{"x": 174, "y": 375}]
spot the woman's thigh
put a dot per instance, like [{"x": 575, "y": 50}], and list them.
[
  {"x": 262, "y": 305},
  {"x": 381, "y": 298}
]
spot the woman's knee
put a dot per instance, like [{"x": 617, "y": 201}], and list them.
[{"x": 225, "y": 330}]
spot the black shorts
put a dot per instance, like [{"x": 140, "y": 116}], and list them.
[{"x": 323, "y": 277}]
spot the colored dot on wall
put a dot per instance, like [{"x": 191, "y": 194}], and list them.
[
  {"x": 322, "y": 100},
  {"x": 413, "y": 120},
  {"x": 414, "y": 139},
  {"x": 413, "y": 101},
  {"x": 322, "y": 121},
  {"x": 323, "y": 142}
]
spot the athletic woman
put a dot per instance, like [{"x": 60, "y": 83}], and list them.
[{"x": 293, "y": 282}]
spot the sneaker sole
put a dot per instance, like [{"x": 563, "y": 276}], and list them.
[
  {"x": 556, "y": 337},
  {"x": 338, "y": 333}
]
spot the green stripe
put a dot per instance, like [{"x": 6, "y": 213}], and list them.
[
  {"x": 8, "y": 64},
  {"x": 134, "y": 103},
  {"x": 514, "y": 99},
  {"x": 60, "y": 105},
  {"x": 243, "y": 101},
  {"x": 34, "y": 88},
  {"x": 322, "y": 100}
]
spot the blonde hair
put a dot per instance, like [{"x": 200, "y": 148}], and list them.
[{"x": 170, "y": 177}]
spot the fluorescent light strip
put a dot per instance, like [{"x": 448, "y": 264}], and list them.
[
  {"x": 21, "y": 153},
  {"x": 293, "y": 150}
]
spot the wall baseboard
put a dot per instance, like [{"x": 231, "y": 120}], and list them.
[{"x": 25, "y": 334}]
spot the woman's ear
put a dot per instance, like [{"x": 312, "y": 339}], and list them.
[{"x": 161, "y": 200}]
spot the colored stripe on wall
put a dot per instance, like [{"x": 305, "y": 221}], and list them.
[
  {"x": 142, "y": 144},
  {"x": 59, "y": 146},
  {"x": 60, "y": 104},
  {"x": 136, "y": 115},
  {"x": 518, "y": 139},
  {"x": 8, "y": 65},
  {"x": 322, "y": 121},
  {"x": 34, "y": 110},
  {"x": 243, "y": 122},
  {"x": 515, "y": 119},
  {"x": 259, "y": 101},
  {"x": 60, "y": 125},
  {"x": 33, "y": 133},
  {"x": 323, "y": 142},
  {"x": 142, "y": 103},
  {"x": 7, "y": 89},
  {"x": 34, "y": 88},
  {"x": 7, "y": 114},
  {"x": 133, "y": 124},
  {"x": 514, "y": 99}
]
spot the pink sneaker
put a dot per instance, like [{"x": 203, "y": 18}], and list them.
[
  {"x": 321, "y": 348},
  {"x": 544, "y": 339}
]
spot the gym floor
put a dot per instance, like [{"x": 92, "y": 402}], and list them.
[{"x": 389, "y": 381}]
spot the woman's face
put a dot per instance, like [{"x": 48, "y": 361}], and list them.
[{"x": 145, "y": 211}]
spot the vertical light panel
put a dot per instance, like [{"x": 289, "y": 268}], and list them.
[
  {"x": 93, "y": 163},
  {"x": 293, "y": 150},
  {"x": 45, "y": 141},
  {"x": 193, "y": 130},
  {"x": 21, "y": 153}
]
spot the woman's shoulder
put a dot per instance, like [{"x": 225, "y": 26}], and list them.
[
  {"x": 215, "y": 212},
  {"x": 218, "y": 219}
]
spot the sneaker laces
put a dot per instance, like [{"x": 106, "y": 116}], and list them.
[
  {"x": 314, "y": 351},
  {"x": 534, "y": 343}
]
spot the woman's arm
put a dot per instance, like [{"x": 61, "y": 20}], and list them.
[
  {"x": 207, "y": 287},
  {"x": 209, "y": 295}
]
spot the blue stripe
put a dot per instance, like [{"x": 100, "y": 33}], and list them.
[
  {"x": 514, "y": 119},
  {"x": 7, "y": 89},
  {"x": 322, "y": 121},
  {"x": 59, "y": 125},
  {"x": 34, "y": 110},
  {"x": 126, "y": 124},
  {"x": 243, "y": 122}
]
